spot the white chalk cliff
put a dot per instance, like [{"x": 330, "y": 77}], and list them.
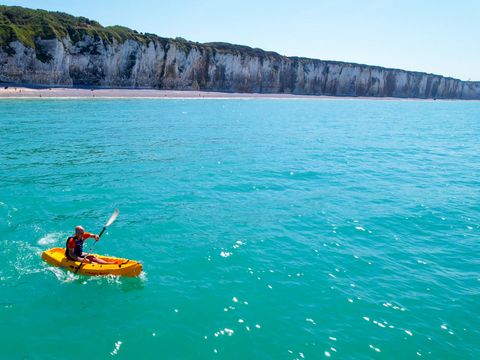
[{"x": 177, "y": 64}]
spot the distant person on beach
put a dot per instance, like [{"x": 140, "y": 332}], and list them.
[{"x": 74, "y": 247}]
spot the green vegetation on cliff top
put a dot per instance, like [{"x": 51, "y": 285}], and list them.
[
  {"x": 25, "y": 25},
  {"x": 28, "y": 25}
]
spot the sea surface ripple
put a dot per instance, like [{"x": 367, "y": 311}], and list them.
[{"x": 268, "y": 229}]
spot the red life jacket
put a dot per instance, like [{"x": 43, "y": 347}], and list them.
[{"x": 78, "y": 250}]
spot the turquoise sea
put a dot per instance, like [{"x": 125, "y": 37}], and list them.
[{"x": 268, "y": 229}]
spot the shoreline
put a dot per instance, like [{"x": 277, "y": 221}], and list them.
[{"x": 25, "y": 92}]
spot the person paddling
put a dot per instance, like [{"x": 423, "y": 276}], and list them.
[{"x": 74, "y": 247}]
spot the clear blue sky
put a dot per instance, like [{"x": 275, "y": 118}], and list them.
[{"x": 435, "y": 36}]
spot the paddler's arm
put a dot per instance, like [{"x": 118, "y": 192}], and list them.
[
  {"x": 71, "y": 253},
  {"x": 88, "y": 235}
]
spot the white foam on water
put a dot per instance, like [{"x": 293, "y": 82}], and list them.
[
  {"x": 51, "y": 238},
  {"x": 62, "y": 275},
  {"x": 143, "y": 276},
  {"x": 23, "y": 258},
  {"x": 395, "y": 307},
  {"x": 110, "y": 279},
  {"x": 238, "y": 243},
  {"x": 224, "y": 331},
  {"x": 117, "y": 348}
]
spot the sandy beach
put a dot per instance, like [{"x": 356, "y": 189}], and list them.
[
  {"x": 8, "y": 91},
  {"x": 56, "y": 92}
]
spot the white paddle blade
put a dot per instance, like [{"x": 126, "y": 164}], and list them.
[{"x": 112, "y": 218}]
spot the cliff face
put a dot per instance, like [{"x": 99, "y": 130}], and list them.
[{"x": 149, "y": 61}]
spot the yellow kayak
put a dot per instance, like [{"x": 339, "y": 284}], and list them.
[{"x": 122, "y": 267}]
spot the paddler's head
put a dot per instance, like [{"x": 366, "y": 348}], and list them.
[{"x": 79, "y": 231}]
